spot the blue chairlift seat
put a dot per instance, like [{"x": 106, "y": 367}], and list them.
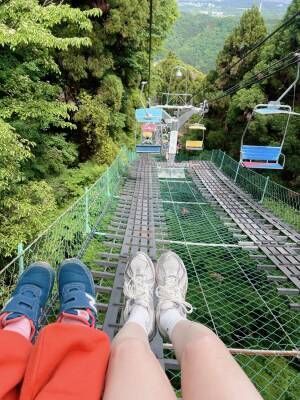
[
  {"x": 274, "y": 108},
  {"x": 151, "y": 115},
  {"x": 261, "y": 157},
  {"x": 148, "y": 148}
]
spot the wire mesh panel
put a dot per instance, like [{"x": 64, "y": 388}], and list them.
[
  {"x": 284, "y": 203},
  {"x": 228, "y": 288},
  {"x": 71, "y": 231},
  {"x": 189, "y": 217},
  {"x": 230, "y": 294}
]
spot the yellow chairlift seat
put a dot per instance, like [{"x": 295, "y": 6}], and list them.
[
  {"x": 147, "y": 135},
  {"x": 194, "y": 145},
  {"x": 197, "y": 127}
]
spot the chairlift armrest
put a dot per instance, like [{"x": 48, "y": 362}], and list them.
[{"x": 283, "y": 164}]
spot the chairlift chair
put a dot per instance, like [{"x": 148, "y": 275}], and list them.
[
  {"x": 268, "y": 157},
  {"x": 151, "y": 117},
  {"x": 196, "y": 145},
  {"x": 147, "y": 135}
]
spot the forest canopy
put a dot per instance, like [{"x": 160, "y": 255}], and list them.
[{"x": 69, "y": 83}]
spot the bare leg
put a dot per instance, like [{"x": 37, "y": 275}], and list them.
[
  {"x": 134, "y": 372},
  {"x": 209, "y": 371}
]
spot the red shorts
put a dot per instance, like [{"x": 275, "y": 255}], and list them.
[{"x": 66, "y": 362}]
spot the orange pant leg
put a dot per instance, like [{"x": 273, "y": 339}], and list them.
[
  {"x": 14, "y": 354},
  {"x": 67, "y": 362}
]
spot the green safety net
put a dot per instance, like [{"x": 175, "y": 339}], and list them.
[
  {"x": 229, "y": 293},
  {"x": 284, "y": 203},
  {"x": 71, "y": 233}
]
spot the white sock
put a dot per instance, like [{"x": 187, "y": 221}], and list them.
[
  {"x": 140, "y": 316},
  {"x": 169, "y": 319}
]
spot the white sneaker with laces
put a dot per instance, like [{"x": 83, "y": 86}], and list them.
[
  {"x": 138, "y": 290},
  {"x": 172, "y": 283}
]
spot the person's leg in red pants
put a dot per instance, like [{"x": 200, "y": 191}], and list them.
[
  {"x": 68, "y": 361},
  {"x": 14, "y": 354},
  {"x": 70, "y": 357}
]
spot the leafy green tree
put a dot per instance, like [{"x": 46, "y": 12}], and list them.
[
  {"x": 228, "y": 117},
  {"x": 165, "y": 79},
  {"x": 14, "y": 151},
  {"x": 250, "y": 30},
  {"x": 69, "y": 84},
  {"x": 114, "y": 65},
  {"x": 23, "y": 214},
  {"x": 33, "y": 112}
]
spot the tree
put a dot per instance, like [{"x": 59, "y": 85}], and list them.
[
  {"x": 165, "y": 77},
  {"x": 228, "y": 117},
  {"x": 69, "y": 84},
  {"x": 250, "y": 30},
  {"x": 14, "y": 151},
  {"x": 32, "y": 112}
]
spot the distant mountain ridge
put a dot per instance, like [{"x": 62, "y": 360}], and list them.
[
  {"x": 220, "y": 8},
  {"x": 197, "y": 38}
]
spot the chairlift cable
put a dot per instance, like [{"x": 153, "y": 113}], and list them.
[
  {"x": 252, "y": 81},
  {"x": 263, "y": 41},
  {"x": 257, "y": 45},
  {"x": 150, "y": 46},
  {"x": 270, "y": 67}
]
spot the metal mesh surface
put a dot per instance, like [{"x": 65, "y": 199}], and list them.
[
  {"x": 283, "y": 202},
  {"x": 231, "y": 295}
]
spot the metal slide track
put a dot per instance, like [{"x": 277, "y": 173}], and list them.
[
  {"x": 133, "y": 228},
  {"x": 277, "y": 241}
]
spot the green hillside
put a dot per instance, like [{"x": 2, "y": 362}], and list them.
[{"x": 197, "y": 39}]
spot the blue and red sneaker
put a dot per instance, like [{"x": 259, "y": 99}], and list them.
[
  {"x": 30, "y": 296},
  {"x": 76, "y": 292}
]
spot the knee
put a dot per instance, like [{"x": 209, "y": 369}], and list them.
[
  {"x": 206, "y": 342},
  {"x": 129, "y": 346}
]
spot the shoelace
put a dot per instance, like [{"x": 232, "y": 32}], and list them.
[
  {"x": 135, "y": 288},
  {"x": 171, "y": 292}
]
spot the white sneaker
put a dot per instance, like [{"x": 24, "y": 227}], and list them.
[
  {"x": 139, "y": 288},
  {"x": 172, "y": 282}
]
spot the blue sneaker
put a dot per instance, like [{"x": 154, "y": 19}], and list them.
[
  {"x": 30, "y": 296},
  {"x": 76, "y": 292}
]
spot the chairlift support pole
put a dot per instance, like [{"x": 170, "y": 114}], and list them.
[{"x": 297, "y": 55}]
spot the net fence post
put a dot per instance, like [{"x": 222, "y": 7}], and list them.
[
  {"x": 107, "y": 183},
  {"x": 237, "y": 172},
  {"x": 21, "y": 258},
  {"x": 212, "y": 155},
  {"x": 221, "y": 165},
  {"x": 86, "y": 212},
  {"x": 265, "y": 190}
]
